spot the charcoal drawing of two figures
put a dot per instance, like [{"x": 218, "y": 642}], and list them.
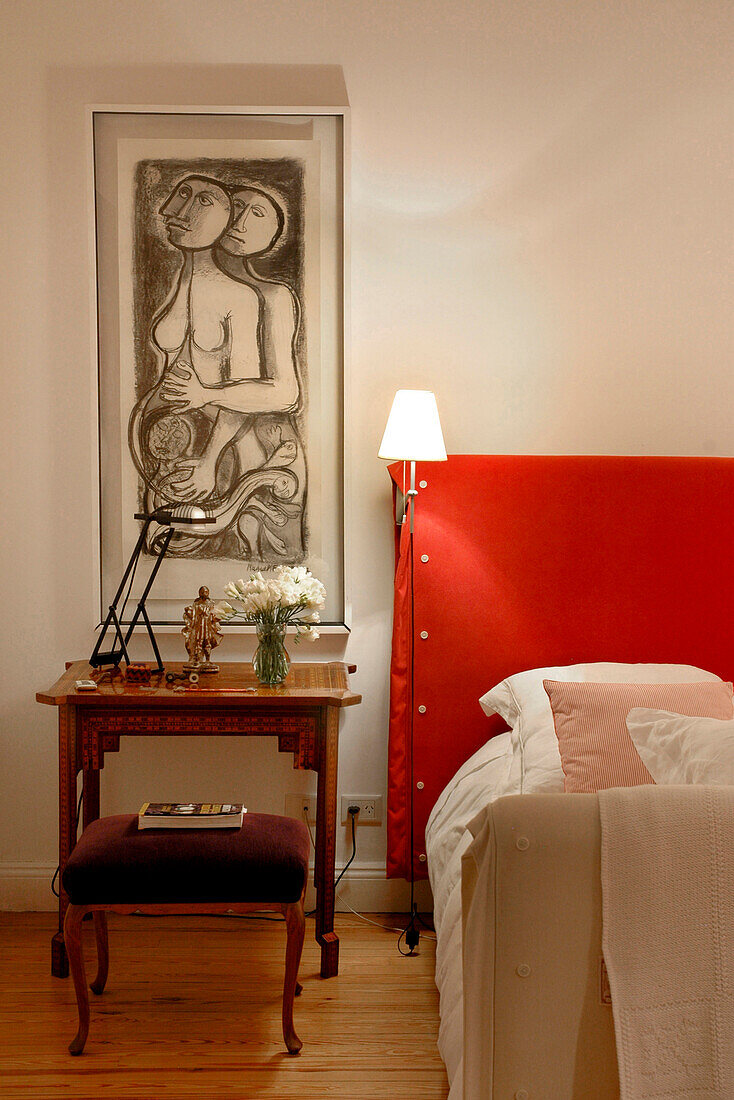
[{"x": 218, "y": 420}]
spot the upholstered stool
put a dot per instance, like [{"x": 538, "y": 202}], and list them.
[{"x": 118, "y": 868}]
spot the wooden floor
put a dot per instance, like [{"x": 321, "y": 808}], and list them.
[{"x": 192, "y": 1010}]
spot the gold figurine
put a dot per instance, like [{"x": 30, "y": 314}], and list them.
[{"x": 201, "y": 633}]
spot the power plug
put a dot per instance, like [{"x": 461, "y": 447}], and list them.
[
  {"x": 412, "y": 932},
  {"x": 412, "y": 936}
]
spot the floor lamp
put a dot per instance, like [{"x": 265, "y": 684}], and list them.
[{"x": 412, "y": 434}]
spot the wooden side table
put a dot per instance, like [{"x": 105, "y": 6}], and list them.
[{"x": 303, "y": 713}]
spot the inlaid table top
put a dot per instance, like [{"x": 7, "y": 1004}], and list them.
[{"x": 307, "y": 683}]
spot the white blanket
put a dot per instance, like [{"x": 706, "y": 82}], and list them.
[
  {"x": 668, "y": 893},
  {"x": 477, "y": 783}
]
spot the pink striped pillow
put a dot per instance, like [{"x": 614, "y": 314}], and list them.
[{"x": 595, "y": 746}]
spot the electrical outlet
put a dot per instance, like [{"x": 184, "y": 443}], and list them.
[
  {"x": 295, "y": 805},
  {"x": 370, "y": 808}
]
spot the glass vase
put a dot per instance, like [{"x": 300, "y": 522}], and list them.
[{"x": 271, "y": 661}]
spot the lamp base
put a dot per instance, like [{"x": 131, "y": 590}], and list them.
[{"x": 113, "y": 657}]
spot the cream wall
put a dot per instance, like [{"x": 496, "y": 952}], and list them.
[{"x": 541, "y": 233}]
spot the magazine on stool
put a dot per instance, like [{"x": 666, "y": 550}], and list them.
[{"x": 191, "y": 815}]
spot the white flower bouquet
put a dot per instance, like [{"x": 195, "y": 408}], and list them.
[{"x": 292, "y": 596}]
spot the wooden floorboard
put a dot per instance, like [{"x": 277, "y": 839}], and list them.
[{"x": 192, "y": 1012}]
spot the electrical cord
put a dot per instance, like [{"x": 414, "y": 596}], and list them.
[
  {"x": 361, "y": 916},
  {"x": 307, "y": 821},
  {"x": 54, "y": 891},
  {"x": 377, "y": 924},
  {"x": 353, "y": 811}
]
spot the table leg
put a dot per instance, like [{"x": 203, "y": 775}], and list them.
[
  {"x": 325, "y": 856},
  {"x": 68, "y": 771}
]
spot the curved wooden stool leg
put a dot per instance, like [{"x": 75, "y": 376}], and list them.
[
  {"x": 296, "y": 925},
  {"x": 103, "y": 953},
  {"x": 73, "y": 941}
]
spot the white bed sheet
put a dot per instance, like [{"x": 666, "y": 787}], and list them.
[{"x": 482, "y": 779}]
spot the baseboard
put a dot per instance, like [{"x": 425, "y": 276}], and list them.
[
  {"x": 26, "y": 888},
  {"x": 365, "y": 888}
]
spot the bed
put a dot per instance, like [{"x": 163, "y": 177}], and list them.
[{"x": 549, "y": 561}]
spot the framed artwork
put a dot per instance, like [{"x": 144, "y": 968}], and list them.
[{"x": 220, "y": 340}]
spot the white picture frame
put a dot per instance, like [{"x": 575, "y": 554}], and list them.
[{"x": 298, "y": 157}]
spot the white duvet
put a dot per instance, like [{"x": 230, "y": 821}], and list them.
[{"x": 483, "y": 778}]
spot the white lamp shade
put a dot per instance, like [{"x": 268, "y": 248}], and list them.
[{"x": 413, "y": 432}]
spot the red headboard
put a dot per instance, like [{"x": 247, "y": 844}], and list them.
[{"x": 548, "y": 560}]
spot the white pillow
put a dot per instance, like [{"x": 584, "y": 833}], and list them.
[
  {"x": 676, "y": 749},
  {"x": 523, "y": 703}
]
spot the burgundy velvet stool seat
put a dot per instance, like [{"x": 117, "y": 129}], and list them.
[{"x": 116, "y": 867}]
